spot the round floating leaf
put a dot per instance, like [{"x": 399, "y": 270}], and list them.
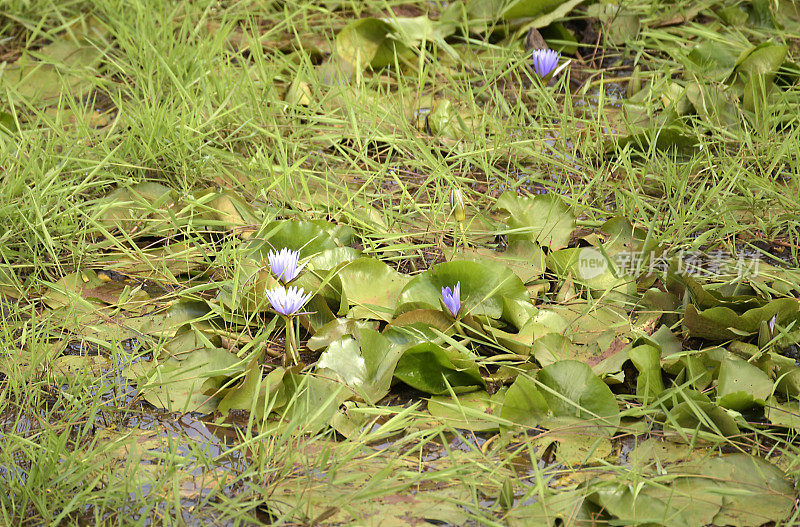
[
  {"x": 654, "y": 454},
  {"x": 554, "y": 347},
  {"x": 477, "y": 411},
  {"x": 255, "y": 393},
  {"x": 589, "y": 266},
  {"x": 372, "y": 287},
  {"x": 365, "y": 363},
  {"x": 408, "y": 335},
  {"x": 784, "y": 414},
  {"x": 188, "y": 385},
  {"x": 224, "y": 211},
  {"x": 366, "y": 42},
  {"x": 571, "y": 389},
  {"x": 311, "y": 401},
  {"x": 432, "y": 369},
  {"x": 141, "y": 210},
  {"x": 754, "y": 492},
  {"x": 570, "y": 507},
  {"x": 703, "y": 416},
  {"x": 736, "y": 489},
  {"x": 545, "y": 219},
  {"x": 65, "y": 67},
  {"x": 712, "y": 60},
  {"x": 524, "y": 258},
  {"x": 647, "y": 359},
  {"x": 686, "y": 501},
  {"x": 741, "y": 385},
  {"x": 723, "y": 323},
  {"x": 542, "y": 11},
  {"x": 493, "y": 291},
  {"x": 434, "y": 318},
  {"x": 335, "y": 330},
  {"x": 524, "y": 404},
  {"x": 669, "y": 137},
  {"x": 764, "y": 59},
  {"x": 577, "y": 445},
  {"x": 308, "y": 237}
]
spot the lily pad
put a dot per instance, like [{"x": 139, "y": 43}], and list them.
[
  {"x": 364, "y": 363},
  {"x": 189, "y": 385},
  {"x": 741, "y": 385},
  {"x": 476, "y": 411},
  {"x": 435, "y": 370},
  {"x": 545, "y": 219},
  {"x": 524, "y": 404},
  {"x": 723, "y": 323},
  {"x": 367, "y": 42},
  {"x": 371, "y": 287},
  {"x": 485, "y": 290},
  {"x": 571, "y": 389},
  {"x": 647, "y": 359}
]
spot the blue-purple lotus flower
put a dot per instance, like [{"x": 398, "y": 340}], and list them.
[
  {"x": 284, "y": 264},
  {"x": 287, "y": 301},
  {"x": 545, "y": 61},
  {"x": 452, "y": 298}
]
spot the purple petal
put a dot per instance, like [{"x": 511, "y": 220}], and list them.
[{"x": 545, "y": 61}]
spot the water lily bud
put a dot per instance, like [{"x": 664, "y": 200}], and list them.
[
  {"x": 634, "y": 83},
  {"x": 545, "y": 61},
  {"x": 451, "y": 297},
  {"x": 457, "y": 203}
]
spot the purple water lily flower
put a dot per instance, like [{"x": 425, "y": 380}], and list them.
[
  {"x": 452, "y": 298},
  {"x": 545, "y": 61},
  {"x": 284, "y": 264},
  {"x": 287, "y": 301}
]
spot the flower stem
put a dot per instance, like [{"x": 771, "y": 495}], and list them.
[
  {"x": 459, "y": 327},
  {"x": 291, "y": 357},
  {"x": 459, "y": 235}
]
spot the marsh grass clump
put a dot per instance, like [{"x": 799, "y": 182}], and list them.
[{"x": 300, "y": 263}]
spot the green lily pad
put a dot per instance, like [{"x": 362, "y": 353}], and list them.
[
  {"x": 371, "y": 287},
  {"x": 65, "y": 66},
  {"x": 367, "y": 42},
  {"x": 141, "y": 210},
  {"x": 524, "y": 258},
  {"x": 324, "y": 244},
  {"x": 591, "y": 267},
  {"x": 544, "y": 220},
  {"x": 703, "y": 416},
  {"x": 571, "y": 389},
  {"x": 764, "y": 59},
  {"x": 784, "y": 414},
  {"x": 433, "y": 369},
  {"x": 712, "y": 59},
  {"x": 669, "y": 138},
  {"x": 576, "y": 445},
  {"x": 723, "y": 323},
  {"x": 364, "y": 363},
  {"x": 476, "y": 411},
  {"x": 255, "y": 393},
  {"x": 312, "y": 401},
  {"x": 493, "y": 291},
  {"x": 224, "y": 211},
  {"x": 741, "y": 385},
  {"x": 685, "y": 502},
  {"x": 753, "y": 491},
  {"x": 524, "y": 404},
  {"x": 189, "y": 385},
  {"x": 647, "y": 359}
]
